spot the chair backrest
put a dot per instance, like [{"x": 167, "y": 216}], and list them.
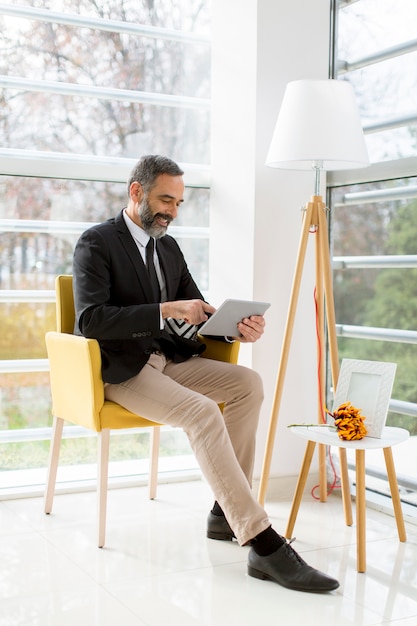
[
  {"x": 75, "y": 364},
  {"x": 65, "y": 311}
]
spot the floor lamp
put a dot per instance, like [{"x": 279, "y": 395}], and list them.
[{"x": 318, "y": 128}]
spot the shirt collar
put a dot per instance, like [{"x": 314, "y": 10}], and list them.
[{"x": 136, "y": 231}]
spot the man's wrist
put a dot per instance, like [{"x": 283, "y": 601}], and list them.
[{"x": 164, "y": 308}]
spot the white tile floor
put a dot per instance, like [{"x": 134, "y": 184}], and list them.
[{"x": 159, "y": 569}]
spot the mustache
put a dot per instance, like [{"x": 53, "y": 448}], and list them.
[{"x": 164, "y": 216}]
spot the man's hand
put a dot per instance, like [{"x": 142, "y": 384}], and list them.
[
  {"x": 192, "y": 311},
  {"x": 251, "y": 328}
]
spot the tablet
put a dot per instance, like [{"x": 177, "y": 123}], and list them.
[{"x": 224, "y": 321}]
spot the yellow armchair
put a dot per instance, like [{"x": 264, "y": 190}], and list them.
[{"x": 78, "y": 397}]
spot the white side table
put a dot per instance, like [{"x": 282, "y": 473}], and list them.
[{"x": 329, "y": 437}]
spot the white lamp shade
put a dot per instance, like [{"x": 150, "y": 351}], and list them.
[{"x": 318, "y": 124}]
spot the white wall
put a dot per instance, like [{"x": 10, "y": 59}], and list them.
[{"x": 258, "y": 47}]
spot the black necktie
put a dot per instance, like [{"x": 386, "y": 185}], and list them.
[{"x": 151, "y": 270}]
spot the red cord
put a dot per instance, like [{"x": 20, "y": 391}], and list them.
[{"x": 334, "y": 484}]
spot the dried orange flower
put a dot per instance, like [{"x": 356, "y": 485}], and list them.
[{"x": 349, "y": 422}]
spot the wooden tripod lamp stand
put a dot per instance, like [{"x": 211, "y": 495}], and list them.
[{"x": 318, "y": 128}]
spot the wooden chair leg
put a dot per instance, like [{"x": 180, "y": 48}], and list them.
[
  {"x": 301, "y": 483},
  {"x": 103, "y": 445},
  {"x": 155, "y": 438},
  {"x": 395, "y": 494},
  {"x": 54, "y": 450}
]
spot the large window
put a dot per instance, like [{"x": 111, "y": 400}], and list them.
[
  {"x": 86, "y": 89},
  {"x": 374, "y": 211}
]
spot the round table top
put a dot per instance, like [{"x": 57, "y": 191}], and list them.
[{"x": 328, "y": 436}]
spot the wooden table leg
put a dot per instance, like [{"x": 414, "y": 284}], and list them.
[
  {"x": 395, "y": 494},
  {"x": 360, "y": 511},
  {"x": 344, "y": 477},
  {"x": 301, "y": 483},
  {"x": 322, "y": 472}
]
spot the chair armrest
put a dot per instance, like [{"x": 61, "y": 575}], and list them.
[
  {"x": 75, "y": 373},
  {"x": 220, "y": 350}
]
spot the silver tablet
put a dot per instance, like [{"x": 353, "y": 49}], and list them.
[{"x": 224, "y": 321}]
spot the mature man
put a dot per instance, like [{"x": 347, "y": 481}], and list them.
[{"x": 126, "y": 292}]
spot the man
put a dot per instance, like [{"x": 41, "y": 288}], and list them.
[{"x": 124, "y": 299}]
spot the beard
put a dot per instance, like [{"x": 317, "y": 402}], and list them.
[{"x": 149, "y": 220}]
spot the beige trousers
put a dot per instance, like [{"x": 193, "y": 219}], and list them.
[{"x": 186, "y": 395}]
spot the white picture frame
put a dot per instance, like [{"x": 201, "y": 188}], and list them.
[{"x": 367, "y": 385}]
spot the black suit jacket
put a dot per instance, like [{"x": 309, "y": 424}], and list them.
[{"x": 113, "y": 298}]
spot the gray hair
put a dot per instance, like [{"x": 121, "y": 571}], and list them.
[{"x": 149, "y": 167}]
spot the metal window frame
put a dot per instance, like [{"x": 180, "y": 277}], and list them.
[
  {"x": 43, "y": 164},
  {"x": 383, "y": 55},
  {"x": 116, "y": 26},
  {"x": 102, "y": 93}
]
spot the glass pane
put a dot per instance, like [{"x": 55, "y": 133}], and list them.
[
  {"x": 59, "y": 200},
  {"x": 103, "y": 128},
  {"x": 24, "y": 325},
  {"x": 377, "y": 24},
  {"x": 83, "y": 451},
  {"x": 383, "y": 297},
  {"x": 25, "y": 401},
  {"x": 31, "y": 260},
  {"x": 83, "y": 56}
]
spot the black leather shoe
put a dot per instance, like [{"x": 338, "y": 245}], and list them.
[
  {"x": 218, "y": 528},
  {"x": 288, "y": 569}
]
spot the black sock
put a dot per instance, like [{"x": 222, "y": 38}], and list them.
[
  {"x": 217, "y": 509},
  {"x": 267, "y": 542}
]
